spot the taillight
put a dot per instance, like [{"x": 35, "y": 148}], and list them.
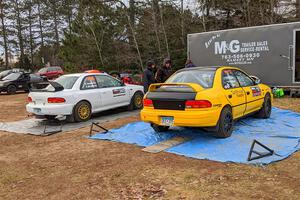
[
  {"x": 148, "y": 103},
  {"x": 56, "y": 100},
  {"x": 198, "y": 104},
  {"x": 29, "y": 99}
]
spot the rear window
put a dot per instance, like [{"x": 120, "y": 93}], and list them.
[
  {"x": 43, "y": 70},
  {"x": 204, "y": 78},
  {"x": 66, "y": 81},
  {"x": 12, "y": 77}
]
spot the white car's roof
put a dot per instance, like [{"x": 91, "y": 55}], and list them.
[{"x": 83, "y": 74}]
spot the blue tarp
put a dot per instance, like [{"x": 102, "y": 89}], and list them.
[{"x": 281, "y": 132}]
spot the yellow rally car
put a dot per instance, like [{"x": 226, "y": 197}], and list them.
[{"x": 209, "y": 97}]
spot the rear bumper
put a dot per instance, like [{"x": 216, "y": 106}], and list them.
[
  {"x": 189, "y": 118},
  {"x": 50, "y": 109}
]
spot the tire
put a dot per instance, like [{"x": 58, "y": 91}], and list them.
[
  {"x": 225, "y": 125},
  {"x": 158, "y": 128},
  {"x": 136, "y": 101},
  {"x": 266, "y": 109},
  {"x": 82, "y": 111},
  {"x": 11, "y": 89}
]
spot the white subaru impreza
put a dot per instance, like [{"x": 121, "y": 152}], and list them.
[{"x": 77, "y": 96}]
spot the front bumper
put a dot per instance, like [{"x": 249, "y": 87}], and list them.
[
  {"x": 50, "y": 109},
  {"x": 188, "y": 118}
]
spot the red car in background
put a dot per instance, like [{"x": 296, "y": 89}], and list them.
[{"x": 51, "y": 72}]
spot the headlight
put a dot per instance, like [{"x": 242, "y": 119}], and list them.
[{"x": 1, "y": 84}]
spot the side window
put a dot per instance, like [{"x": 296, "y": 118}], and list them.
[
  {"x": 243, "y": 79},
  {"x": 106, "y": 81},
  {"x": 229, "y": 80},
  {"x": 89, "y": 82}
]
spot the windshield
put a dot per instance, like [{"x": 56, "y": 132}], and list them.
[
  {"x": 66, "y": 81},
  {"x": 43, "y": 70},
  {"x": 204, "y": 78},
  {"x": 12, "y": 77},
  {"x": 4, "y": 73}
]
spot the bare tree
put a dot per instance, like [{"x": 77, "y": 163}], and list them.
[
  {"x": 155, "y": 11},
  {"x": 4, "y": 32},
  {"x": 40, "y": 22},
  {"x": 19, "y": 27},
  {"x": 164, "y": 30}
]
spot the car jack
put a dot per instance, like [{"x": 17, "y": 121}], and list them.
[
  {"x": 52, "y": 123},
  {"x": 92, "y": 130},
  {"x": 259, "y": 154}
]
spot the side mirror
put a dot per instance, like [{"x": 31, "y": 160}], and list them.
[{"x": 255, "y": 79}]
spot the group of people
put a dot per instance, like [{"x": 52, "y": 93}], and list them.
[
  {"x": 152, "y": 74},
  {"x": 156, "y": 75}
]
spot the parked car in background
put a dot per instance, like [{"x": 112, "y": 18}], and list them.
[
  {"x": 50, "y": 72},
  {"x": 131, "y": 79},
  {"x": 18, "y": 81},
  {"x": 9, "y": 71},
  {"x": 77, "y": 96},
  {"x": 206, "y": 97}
]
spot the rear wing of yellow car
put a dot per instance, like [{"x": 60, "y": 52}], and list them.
[{"x": 194, "y": 86}]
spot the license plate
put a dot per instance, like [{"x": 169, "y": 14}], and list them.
[
  {"x": 167, "y": 121},
  {"x": 37, "y": 110}
]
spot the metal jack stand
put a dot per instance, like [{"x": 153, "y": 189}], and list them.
[
  {"x": 52, "y": 123},
  {"x": 92, "y": 130},
  {"x": 260, "y": 154}
]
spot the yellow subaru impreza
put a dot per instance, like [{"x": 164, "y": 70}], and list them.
[{"x": 208, "y": 97}]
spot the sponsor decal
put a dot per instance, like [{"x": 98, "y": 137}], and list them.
[
  {"x": 119, "y": 92},
  {"x": 238, "y": 93},
  {"x": 236, "y": 52},
  {"x": 256, "y": 91}
]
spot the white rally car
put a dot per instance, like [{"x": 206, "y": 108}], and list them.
[{"x": 77, "y": 96}]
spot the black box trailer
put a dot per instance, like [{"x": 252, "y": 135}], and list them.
[{"x": 270, "y": 52}]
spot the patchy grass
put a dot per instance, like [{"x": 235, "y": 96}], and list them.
[
  {"x": 70, "y": 166},
  {"x": 287, "y": 103}
]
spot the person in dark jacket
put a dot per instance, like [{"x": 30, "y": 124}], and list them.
[
  {"x": 148, "y": 75},
  {"x": 189, "y": 64},
  {"x": 164, "y": 72}
]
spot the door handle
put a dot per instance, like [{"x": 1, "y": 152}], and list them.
[
  {"x": 230, "y": 96},
  {"x": 248, "y": 93}
]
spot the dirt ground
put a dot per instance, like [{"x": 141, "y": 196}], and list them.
[{"x": 70, "y": 166}]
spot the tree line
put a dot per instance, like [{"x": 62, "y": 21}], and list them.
[{"x": 119, "y": 35}]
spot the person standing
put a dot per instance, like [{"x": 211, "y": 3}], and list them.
[
  {"x": 164, "y": 72},
  {"x": 148, "y": 75},
  {"x": 189, "y": 64}
]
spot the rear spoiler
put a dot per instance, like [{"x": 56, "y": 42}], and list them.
[
  {"x": 40, "y": 87},
  {"x": 194, "y": 86}
]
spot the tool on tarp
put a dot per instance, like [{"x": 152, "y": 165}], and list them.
[
  {"x": 156, "y": 148},
  {"x": 96, "y": 124},
  {"x": 269, "y": 152}
]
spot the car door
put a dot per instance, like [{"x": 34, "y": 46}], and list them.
[
  {"x": 234, "y": 93},
  {"x": 114, "y": 93},
  {"x": 22, "y": 82},
  {"x": 89, "y": 91},
  {"x": 254, "y": 96}
]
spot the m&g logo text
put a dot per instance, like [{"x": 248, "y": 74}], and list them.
[
  {"x": 235, "y": 46},
  {"x": 237, "y": 52}
]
